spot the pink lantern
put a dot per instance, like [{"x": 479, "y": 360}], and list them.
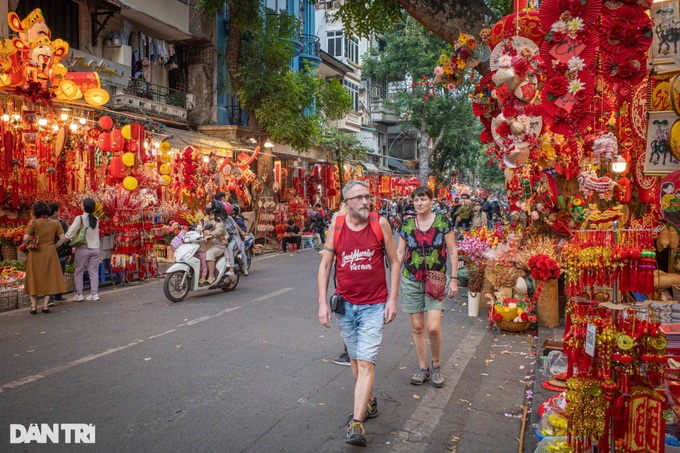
[
  {"x": 117, "y": 140},
  {"x": 104, "y": 141}
]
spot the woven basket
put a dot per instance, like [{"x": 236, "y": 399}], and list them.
[
  {"x": 9, "y": 252},
  {"x": 515, "y": 327},
  {"x": 8, "y": 299},
  {"x": 70, "y": 281},
  {"x": 24, "y": 300}
]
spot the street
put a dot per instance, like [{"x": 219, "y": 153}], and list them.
[{"x": 249, "y": 371}]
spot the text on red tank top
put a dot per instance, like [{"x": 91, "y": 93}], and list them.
[{"x": 360, "y": 267}]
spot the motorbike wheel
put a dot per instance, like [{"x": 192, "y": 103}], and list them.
[
  {"x": 172, "y": 286},
  {"x": 232, "y": 283}
]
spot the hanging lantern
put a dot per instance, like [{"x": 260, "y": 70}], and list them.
[
  {"x": 133, "y": 147},
  {"x": 126, "y": 131},
  {"x": 116, "y": 140},
  {"x": 136, "y": 131},
  {"x": 165, "y": 146},
  {"x": 104, "y": 141},
  {"x": 128, "y": 159},
  {"x": 105, "y": 122},
  {"x": 165, "y": 158},
  {"x": 116, "y": 167},
  {"x": 165, "y": 169},
  {"x": 97, "y": 97},
  {"x": 130, "y": 182}
]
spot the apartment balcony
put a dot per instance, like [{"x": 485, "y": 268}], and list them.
[
  {"x": 380, "y": 114},
  {"x": 308, "y": 50},
  {"x": 350, "y": 123},
  {"x": 154, "y": 100}
]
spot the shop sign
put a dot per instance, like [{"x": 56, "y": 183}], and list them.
[{"x": 110, "y": 72}]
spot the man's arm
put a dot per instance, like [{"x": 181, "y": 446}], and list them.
[
  {"x": 401, "y": 250},
  {"x": 323, "y": 278},
  {"x": 395, "y": 271}
]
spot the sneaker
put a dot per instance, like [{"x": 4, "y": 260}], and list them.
[
  {"x": 230, "y": 274},
  {"x": 421, "y": 376},
  {"x": 342, "y": 359},
  {"x": 355, "y": 434},
  {"x": 78, "y": 298},
  {"x": 371, "y": 411},
  {"x": 92, "y": 297},
  {"x": 437, "y": 376}
]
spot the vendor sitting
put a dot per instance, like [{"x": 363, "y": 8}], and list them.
[{"x": 291, "y": 236}]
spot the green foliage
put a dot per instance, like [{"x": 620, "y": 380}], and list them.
[
  {"x": 363, "y": 17},
  {"x": 245, "y": 13},
  {"x": 342, "y": 147}
]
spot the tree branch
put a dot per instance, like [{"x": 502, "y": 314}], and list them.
[{"x": 438, "y": 139}]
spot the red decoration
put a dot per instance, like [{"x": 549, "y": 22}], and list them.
[
  {"x": 104, "y": 141},
  {"x": 116, "y": 167},
  {"x": 106, "y": 122},
  {"x": 117, "y": 140}
]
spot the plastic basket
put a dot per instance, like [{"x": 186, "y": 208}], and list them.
[
  {"x": 24, "y": 300},
  {"x": 8, "y": 299}
]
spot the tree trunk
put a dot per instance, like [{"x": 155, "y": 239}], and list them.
[
  {"x": 448, "y": 19},
  {"x": 423, "y": 153}
]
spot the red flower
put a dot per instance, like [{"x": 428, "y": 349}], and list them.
[
  {"x": 556, "y": 86},
  {"x": 557, "y": 36},
  {"x": 486, "y": 137},
  {"x": 521, "y": 66},
  {"x": 464, "y": 54},
  {"x": 503, "y": 129},
  {"x": 497, "y": 317},
  {"x": 510, "y": 111},
  {"x": 581, "y": 95},
  {"x": 524, "y": 316}
]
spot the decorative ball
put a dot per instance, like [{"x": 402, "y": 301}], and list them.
[
  {"x": 126, "y": 131},
  {"x": 105, "y": 122},
  {"x": 130, "y": 183},
  {"x": 165, "y": 169},
  {"x": 129, "y": 160},
  {"x": 165, "y": 158},
  {"x": 165, "y": 180},
  {"x": 104, "y": 141},
  {"x": 165, "y": 146}
]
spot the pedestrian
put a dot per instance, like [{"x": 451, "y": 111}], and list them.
[
  {"x": 64, "y": 251},
  {"x": 87, "y": 256},
  {"x": 365, "y": 305},
  {"x": 426, "y": 242},
  {"x": 321, "y": 217},
  {"x": 463, "y": 213},
  {"x": 291, "y": 236},
  {"x": 43, "y": 276},
  {"x": 479, "y": 217}
]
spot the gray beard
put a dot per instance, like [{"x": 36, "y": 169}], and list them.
[{"x": 360, "y": 214}]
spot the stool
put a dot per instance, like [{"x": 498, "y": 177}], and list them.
[{"x": 292, "y": 247}]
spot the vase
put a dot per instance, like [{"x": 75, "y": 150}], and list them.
[
  {"x": 473, "y": 304},
  {"x": 547, "y": 306}
]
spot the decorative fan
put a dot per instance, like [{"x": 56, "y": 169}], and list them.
[
  {"x": 638, "y": 109},
  {"x": 641, "y": 180},
  {"x": 627, "y": 27},
  {"x": 624, "y": 67},
  {"x": 586, "y": 50},
  {"x": 551, "y": 10},
  {"x": 616, "y": 4}
]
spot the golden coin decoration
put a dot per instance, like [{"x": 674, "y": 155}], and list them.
[{"x": 624, "y": 342}]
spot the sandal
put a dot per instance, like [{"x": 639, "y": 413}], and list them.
[
  {"x": 46, "y": 310},
  {"x": 33, "y": 310}
]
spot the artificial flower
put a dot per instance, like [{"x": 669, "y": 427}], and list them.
[
  {"x": 556, "y": 86},
  {"x": 510, "y": 111},
  {"x": 559, "y": 26},
  {"x": 463, "y": 38},
  {"x": 575, "y": 86},
  {"x": 576, "y": 64},
  {"x": 503, "y": 129},
  {"x": 505, "y": 61},
  {"x": 464, "y": 54},
  {"x": 575, "y": 24},
  {"x": 451, "y": 86},
  {"x": 471, "y": 43},
  {"x": 438, "y": 71}
]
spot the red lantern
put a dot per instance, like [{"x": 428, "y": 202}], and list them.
[
  {"x": 116, "y": 167},
  {"x": 116, "y": 140},
  {"x": 136, "y": 131},
  {"x": 106, "y": 122},
  {"x": 104, "y": 141},
  {"x": 133, "y": 147}
]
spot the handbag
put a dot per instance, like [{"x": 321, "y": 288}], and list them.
[
  {"x": 80, "y": 238},
  {"x": 32, "y": 243}
]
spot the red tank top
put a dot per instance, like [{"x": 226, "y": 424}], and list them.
[{"x": 360, "y": 266}]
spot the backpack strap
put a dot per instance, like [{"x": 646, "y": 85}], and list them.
[{"x": 373, "y": 220}]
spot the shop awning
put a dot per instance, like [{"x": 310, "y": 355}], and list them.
[
  {"x": 180, "y": 139},
  {"x": 369, "y": 167},
  {"x": 394, "y": 164}
]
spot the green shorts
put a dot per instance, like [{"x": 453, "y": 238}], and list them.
[{"x": 415, "y": 300}]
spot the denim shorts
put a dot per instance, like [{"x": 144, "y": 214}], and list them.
[
  {"x": 361, "y": 328},
  {"x": 415, "y": 299}
]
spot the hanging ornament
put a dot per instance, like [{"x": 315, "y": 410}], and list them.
[
  {"x": 105, "y": 122},
  {"x": 130, "y": 183},
  {"x": 126, "y": 131},
  {"x": 128, "y": 159}
]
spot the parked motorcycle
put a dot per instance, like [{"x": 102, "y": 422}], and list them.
[{"x": 183, "y": 276}]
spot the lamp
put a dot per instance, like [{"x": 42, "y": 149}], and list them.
[
  {"x": 619, "y": 164},
  {"x": 268, "y": 144}
]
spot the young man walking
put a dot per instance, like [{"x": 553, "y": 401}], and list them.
[{"x": 363, "y": 240}]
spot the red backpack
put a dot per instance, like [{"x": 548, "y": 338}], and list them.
[{"x": 373, "y": 220}]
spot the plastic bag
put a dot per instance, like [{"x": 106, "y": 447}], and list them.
[
  {"x": 552, "y": 424},
  {"x": 558, "y": 362},
  {"x": 553, "y": 445}
]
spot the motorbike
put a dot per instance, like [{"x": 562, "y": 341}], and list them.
[{"x": 183, "y": 276}]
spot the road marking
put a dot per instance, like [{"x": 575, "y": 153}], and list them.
[
  {"x": 430, "y": 410},
  {"x": 160, "y": 334},
  {"x": 270, "y": 295}
]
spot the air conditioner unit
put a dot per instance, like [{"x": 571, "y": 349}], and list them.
[{"x": 191, "y": 102}]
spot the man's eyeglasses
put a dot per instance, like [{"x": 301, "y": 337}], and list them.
[{"x": 367, "y": 198}]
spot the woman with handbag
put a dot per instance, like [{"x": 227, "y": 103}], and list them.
[
  {"x": 426, "y": 243},
  {"x": 43, "y": 272},
  {"x": 84, "y": 236}
]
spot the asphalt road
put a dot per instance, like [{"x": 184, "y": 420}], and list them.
[{"x": 249, "y": 371}]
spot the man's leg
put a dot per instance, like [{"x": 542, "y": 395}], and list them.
[{"x": 363, "y": 389}]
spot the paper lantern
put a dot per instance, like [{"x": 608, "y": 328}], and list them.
[
  {"x": 133, "y": 147},
  {"x": 128, "y": 159},
  {"x": 165, "y": 169},
  {"x": 104, "y": 141},
  {"x": 165, "y": 180},
  {"x": 97, "y": 97},
  {"x": 116, "y": 140},
  {"x": 165, "y": 146},
  {"x": 126, "y": 131},
  {"x": 130, "y": 183},
  {"x": 116, "y": 167},
  {"x": 105, "y": 122},
  {"x": 136, "y": 131}
]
